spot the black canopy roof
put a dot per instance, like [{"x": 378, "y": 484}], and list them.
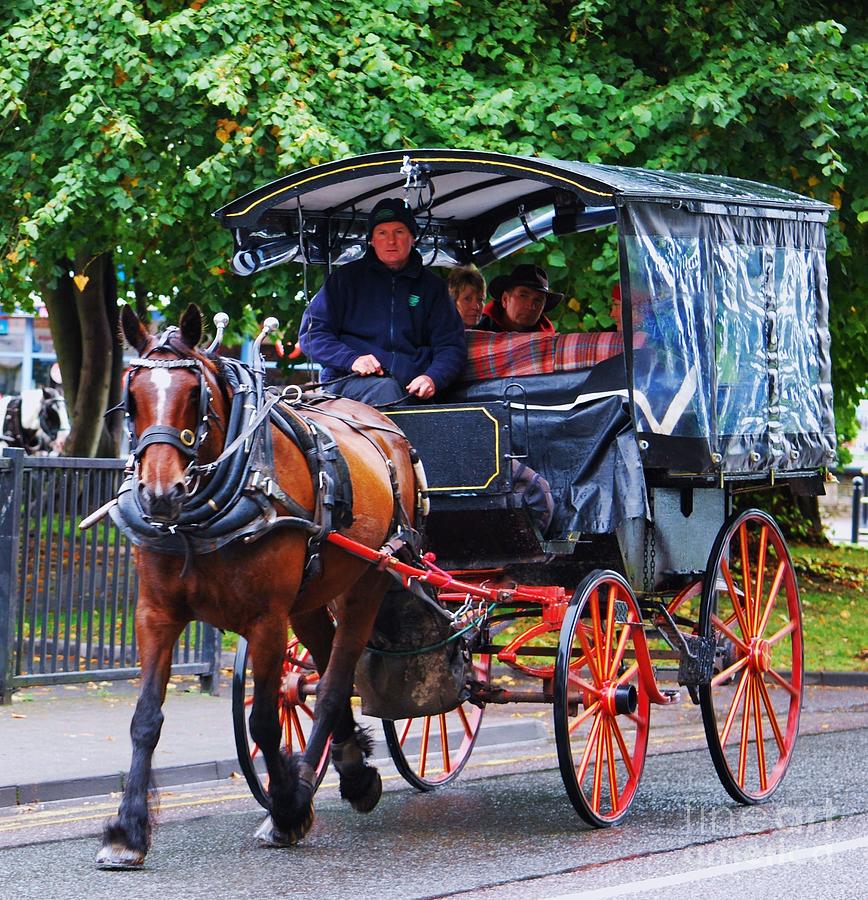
[
  {"x": 476, "y": 204},
  {"x": 470, "y": 182}
]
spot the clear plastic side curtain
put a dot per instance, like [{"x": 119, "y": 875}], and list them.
[{"x": 730, "y": 350}]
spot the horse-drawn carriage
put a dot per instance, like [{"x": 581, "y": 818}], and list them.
[
  {"x": 718, "y": 382},
  {"x": 645, "y": 443}
]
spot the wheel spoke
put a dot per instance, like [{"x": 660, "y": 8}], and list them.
[
  {"x": 628, "y": 674},
  {"x": 730, "y": 718},
  {"x": 745, "y": 578},
  {"x": 734, "y": 598},
  {"x": 721, "y": 626},
  {"x": 760, "y": 744},
  {"x": 584, "y": 716},
  {"x": 610, "y": 626},
  {"x": 789, "y": 628},
  {"x": 465, "y": 722},
  {"x": 590, "y": 655},
  {"x": 423, "y": 749},
  {"x": 403, "y": 736},
  {"x": 620, "y": 649},
  {"x": 761, "y": 567},
  {"x": 773, "y": 718},
  {"x": 302, "y": 741},
  {"x": 721, "y": 677},
  {"x": 597, "y": 786},
  {"x": 625, "y": 754},
  {"x": 582, "y": 768},
  {"x": 745, "y": 730},
  {"x": 792, "y": 689},
  {"x": 613, "y": 775},
  {"x": 598, "y": 630},
  {"x": 576, "y": 681},
  {"x": 773, "y": 596},
  {"x": 444, "y": 739}
]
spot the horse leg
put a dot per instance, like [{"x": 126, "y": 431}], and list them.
[
  {"x": 127, "y": 837},
  {"x": 351, "y": 744},
  {"x": 290, "y": 783},
  {"x": 360, "y": 783}
]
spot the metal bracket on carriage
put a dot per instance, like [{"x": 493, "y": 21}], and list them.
[{"x": 697, "y": 665}]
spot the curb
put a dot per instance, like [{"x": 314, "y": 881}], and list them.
[
  {"x": 100, "y": 785},
  {"x": 517, "y": 732},
  {"x": 513, "y": 732}
]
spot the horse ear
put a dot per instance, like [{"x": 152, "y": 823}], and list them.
[
  {"x": 191, "y": 325},
  {"x": 136, "y": 334}
]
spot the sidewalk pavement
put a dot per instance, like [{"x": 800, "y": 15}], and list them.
[{"x": 66, "y": 741}]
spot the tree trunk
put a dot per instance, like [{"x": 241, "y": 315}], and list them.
[{"x": 84, "y": 326}]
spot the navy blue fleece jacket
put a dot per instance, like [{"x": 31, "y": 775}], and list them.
[{"x": 406, "y": 319}]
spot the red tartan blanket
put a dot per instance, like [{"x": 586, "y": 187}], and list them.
[{"x": 496, "y": 355}]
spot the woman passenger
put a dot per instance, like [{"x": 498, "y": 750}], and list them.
[{"x": 467, "y": 288}]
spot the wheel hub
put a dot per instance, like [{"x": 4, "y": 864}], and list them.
[
  {"x": 760, "y": 655},
  {"x": 291, "y": 688},
  {"x": 620, "y": 700}
]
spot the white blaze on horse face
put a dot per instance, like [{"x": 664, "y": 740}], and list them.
[{"x": 161, "y": 380}]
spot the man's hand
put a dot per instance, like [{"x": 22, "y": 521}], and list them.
[
  {"x": 368, "y": 365},
  {"x": 422, "y": 386}
]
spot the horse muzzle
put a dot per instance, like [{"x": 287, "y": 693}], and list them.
[{"x": 162, "y": 506}]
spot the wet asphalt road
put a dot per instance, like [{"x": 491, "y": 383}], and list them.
[{"x": 504, "y": 830}]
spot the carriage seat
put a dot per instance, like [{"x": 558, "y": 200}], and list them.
[{"x": 498, "y": 355}]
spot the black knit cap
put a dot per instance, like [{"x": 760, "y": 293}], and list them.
[{"x": 392, "y": 209}]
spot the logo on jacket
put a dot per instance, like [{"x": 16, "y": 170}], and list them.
[{"x": 413, "y": 299}]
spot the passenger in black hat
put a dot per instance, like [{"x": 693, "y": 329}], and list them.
[
  {"x": 519, "y": 301},
  {"x": 385, "y": 320}
]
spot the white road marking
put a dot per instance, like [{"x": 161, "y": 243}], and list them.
[{"x": 747, "y": 865}]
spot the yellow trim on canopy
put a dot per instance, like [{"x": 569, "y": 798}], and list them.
[{"x": 438, "y": 159}]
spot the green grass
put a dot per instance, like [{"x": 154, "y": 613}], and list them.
[{"x": 833, "y": 583}]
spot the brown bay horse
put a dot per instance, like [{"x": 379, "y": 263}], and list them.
[{"x": 179, "y": 402}]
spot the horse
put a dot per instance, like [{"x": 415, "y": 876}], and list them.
[
  {"x": 265, "y": 490},
  {"x": 36, "y": 421}
]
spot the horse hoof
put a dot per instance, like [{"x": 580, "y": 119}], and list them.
[
  {"x": 371, "y": 797},
  {"x": 118, "y": 856},
  {"x": 269, "y": 835}
]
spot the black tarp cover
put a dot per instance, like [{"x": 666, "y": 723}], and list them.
[{"x": 581, "y": 439}]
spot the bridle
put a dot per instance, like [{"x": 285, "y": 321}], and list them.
[{"x": 183, "y": 439}]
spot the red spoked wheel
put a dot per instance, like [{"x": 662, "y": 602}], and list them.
[
  {"x": 601, "y": 708},
  {"x": 430, "y": 751},
  {"x": 294, "y": 711},
  {"x": 751, "y": 707}
]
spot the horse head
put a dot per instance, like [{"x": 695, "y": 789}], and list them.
[
  {"x": 171, "y": 391},
  {"x": 54, "y": 424}
]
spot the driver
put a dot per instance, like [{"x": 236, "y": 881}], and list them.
[{"x": 385, "y": 320}]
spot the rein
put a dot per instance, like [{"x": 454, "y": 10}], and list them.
[{"x": 237, "y": 496}]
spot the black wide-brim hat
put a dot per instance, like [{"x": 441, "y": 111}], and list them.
[{"x": 525, "y": 275}]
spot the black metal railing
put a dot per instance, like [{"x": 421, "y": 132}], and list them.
[{"x": 67, "y": 597}]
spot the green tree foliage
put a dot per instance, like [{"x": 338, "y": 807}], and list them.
[{"x": 124, "y": 123}]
